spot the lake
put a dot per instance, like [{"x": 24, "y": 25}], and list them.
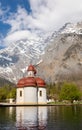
[{"x": 41, "y": 118}]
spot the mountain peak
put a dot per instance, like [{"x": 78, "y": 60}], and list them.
[{"x": 54, "y": 51}]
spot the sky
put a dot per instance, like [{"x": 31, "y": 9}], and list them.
[{"x": 22, "y": 18}]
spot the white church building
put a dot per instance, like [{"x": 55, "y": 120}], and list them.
[{"x": 31, "y": 89}]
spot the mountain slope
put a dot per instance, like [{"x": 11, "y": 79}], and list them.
[{"x": 63, "y": 57}]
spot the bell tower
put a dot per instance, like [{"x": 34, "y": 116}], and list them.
[{"x": 31, "y": 71}]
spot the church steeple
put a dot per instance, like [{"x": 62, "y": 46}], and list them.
[{"x": 31, "y": 71}]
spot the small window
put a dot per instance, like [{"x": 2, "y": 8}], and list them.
[
  {"x": 20, "y": 93},
  {"x": 40, "y": 93}
]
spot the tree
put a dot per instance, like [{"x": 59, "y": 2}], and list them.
[
  {"x": 53, "y": 91},
  {"x": 2, "y": 94},
  {"x": 12, "y": 93},
  {"x": 6, "y": 92},
  {"x": 69, "y": 91}
]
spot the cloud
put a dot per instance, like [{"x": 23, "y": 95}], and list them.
[
  {"x": 19, "y": 35},
  {"x": 52, "y": 14},
  {"x": 45, "y": 15},
  {"x": 18, "y": 20}
]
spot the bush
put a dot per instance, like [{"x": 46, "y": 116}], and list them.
[{"x": 70, "y": 91}]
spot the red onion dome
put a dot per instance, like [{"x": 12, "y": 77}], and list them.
[
  {"x": 31, "y": 68},
  {"x": 40, "y": 82},
  {"x": 30, "y": 81},
  {"x": 21, "y": 83}
]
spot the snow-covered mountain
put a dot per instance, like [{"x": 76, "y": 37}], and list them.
[
  {"x": 41, "y": 50},
  {"x": 15, "y": 58}
]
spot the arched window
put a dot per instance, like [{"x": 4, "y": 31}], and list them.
[
  {"x": 40, "y": 93},
  {"x": 20, "y": 93}
]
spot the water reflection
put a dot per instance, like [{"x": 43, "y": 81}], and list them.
[
  {"x": 35, "y": 118},
  {"x": 10, "y": 110},
  {"x": 31, "y": 118}
]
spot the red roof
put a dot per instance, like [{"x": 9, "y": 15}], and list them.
[
  {"x": 21, "y": 82},
  {"x": 24, "y": 82},
  {"x": 31, "y": 68},
  {"x": 30, "y": 81},
  {"x": 40, "y": 82}
]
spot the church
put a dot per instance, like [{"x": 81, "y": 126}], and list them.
[{"x": 31, "y": 90}]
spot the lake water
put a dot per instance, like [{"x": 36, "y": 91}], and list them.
[{"x": 41, "y": 118}]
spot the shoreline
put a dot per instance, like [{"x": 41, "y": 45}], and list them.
[{"x": 34, "y": 105}]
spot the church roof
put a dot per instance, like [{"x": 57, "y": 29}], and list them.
[
  {"x": 31, "y": 68},
  {"x": 31, "y": 81},
  {"x": 21, "y": 83},
  {"x": 28, "y": 81},
  {"x": 40, "y": 82}
]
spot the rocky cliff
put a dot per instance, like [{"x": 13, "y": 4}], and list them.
[{"x": 63, "y": 59}]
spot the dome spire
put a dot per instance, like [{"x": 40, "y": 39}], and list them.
[{"x": 31, "y": 70}]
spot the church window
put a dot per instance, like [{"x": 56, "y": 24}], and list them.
[
  {"x": 40, "y": 93},
  {"x": 20, "y": 93}
]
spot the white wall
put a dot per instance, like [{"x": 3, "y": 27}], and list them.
[
  {"x": 30, "y": 95},
  {"x": 20, "y": 99},
  {"x": 42, "y": 99},
  {"x": 30, "y": 73}
]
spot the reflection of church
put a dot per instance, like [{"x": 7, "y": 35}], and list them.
[
  {"x": 31, "y": 118},
  {"x": 31, "y": 89}
]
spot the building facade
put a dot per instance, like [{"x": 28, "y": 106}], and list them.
[{"x": 31, "y": 89}]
